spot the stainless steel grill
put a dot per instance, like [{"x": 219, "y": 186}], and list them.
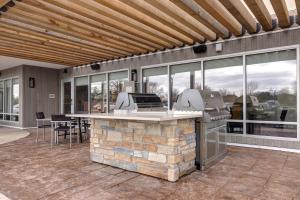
[
  {"x": 210, "y": 128},
  {"x": 138, "y": 102}
]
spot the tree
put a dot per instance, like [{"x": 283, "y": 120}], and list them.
[{"x": 251, "y": 87}]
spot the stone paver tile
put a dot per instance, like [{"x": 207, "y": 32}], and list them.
[{"x": 246, "y": 185}]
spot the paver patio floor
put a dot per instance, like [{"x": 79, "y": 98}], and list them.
[{"x": 34, "y": 171}]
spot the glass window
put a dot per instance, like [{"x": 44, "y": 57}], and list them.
[
  {"x": 272, "y": 93},
  {"x": 15, "y": 97},
  {"x": 155, "y": 81},
  {"x": 275, "y": 130},
  {"x": 15, "y": 100},
  {"x": 98, "y": 94},
  {"x": 272, "y": 86},
  {"x": 67, "y": 97},
  {"x": 7, "y": 96},
  {"x": 226, "y": 77},
  {"x": 116, "y": 85},
  {"x": 81, "y": 95},
  {"x": 184, "y": 76},
  {"x": 1, "y": 100}
]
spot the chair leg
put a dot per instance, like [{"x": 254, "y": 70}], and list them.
[
  {"x": 51, "y": 135},
  {"x": 37, "y": 135},
  {"x": 70, "y": 136},
  {"x": 44, "y": 134}
]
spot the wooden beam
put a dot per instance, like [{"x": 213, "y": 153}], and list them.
[
  {"x": 197, "y": 19},
  {"x": 282, "y": 13},
  {"x": 16, "y": 29},
  {"x": 30, "y": 22},
  {"x": 152, "y": 14},
  {"x": 112, "y": 13},
  {"x": 51, "y": 11},
  {"x": 140, "y": 14},
  {"x": 222, "y": 15},
  {"x": 39, "y": 20},
  {"x": 241, "y": 13},
  {"x": 41, "y": 52},
  {"x": 261, "y": 13},
  {"x": 12, "y": 39},
  {"x": 112, "y": 22},
  {"x": 174, "y": 15},
  {"x": 27, "y": 55}
]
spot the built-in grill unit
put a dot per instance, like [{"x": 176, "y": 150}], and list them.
[
  {"x": 210, "y": 128},
  {"x": 138, "y": 102}
]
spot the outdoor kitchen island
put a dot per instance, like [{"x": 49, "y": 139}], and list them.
[{"x": 158, "y": 144}]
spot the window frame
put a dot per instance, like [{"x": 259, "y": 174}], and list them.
[
  {"x": 4, "y": 113},
  {"x": 243, "y": 54},
  {"x": 106, "y": 73}
]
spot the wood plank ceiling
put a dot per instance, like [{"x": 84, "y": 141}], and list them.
[{"x": 77, "y": 32}]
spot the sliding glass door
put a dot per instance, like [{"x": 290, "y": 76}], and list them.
[{"x": 98, "y": 93}]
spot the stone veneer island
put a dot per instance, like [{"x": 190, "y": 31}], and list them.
[{"x": 159, "y": 145}]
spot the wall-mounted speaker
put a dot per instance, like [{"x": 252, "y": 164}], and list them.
[
  {"x": 95, "y": 66},
  {"x": 65, "y": 71},
  {"x": 200, "y": 48}
]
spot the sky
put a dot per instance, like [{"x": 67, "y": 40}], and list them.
[{"x": 290, "y": 4}]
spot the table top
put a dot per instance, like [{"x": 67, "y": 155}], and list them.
[
  {"x": 139, "y": 116},
  {"x": 45, "y": 119}
]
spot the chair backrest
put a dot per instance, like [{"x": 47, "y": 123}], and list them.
[
  {"x": 60, "y": 118},
  {"x": 40, "y": 115},
  {"x": 283, "y": 114}
]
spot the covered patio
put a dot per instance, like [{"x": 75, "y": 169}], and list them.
[
  {"x": 34, "y": 171},
  {"x": 212, "y": 85}
]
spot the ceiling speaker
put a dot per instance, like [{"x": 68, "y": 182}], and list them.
[
  {"x": 200, "y": 48},
  {"x": 95, "y": 66}
]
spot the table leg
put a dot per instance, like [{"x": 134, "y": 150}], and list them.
[
  {"x": 44, "y": 130},
  {"x": 80, "y": 132},
  {"x": 51, "y": 134},
  {"x": 70, "y": 135},
  {"x": 37, "y": 131}
]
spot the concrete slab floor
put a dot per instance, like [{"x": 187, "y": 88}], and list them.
[{"x": 34, "y": 171}]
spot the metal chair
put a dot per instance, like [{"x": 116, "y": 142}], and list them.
[
  {"x": 61, "y": 123},
  {"x": 40, "y": 117}
]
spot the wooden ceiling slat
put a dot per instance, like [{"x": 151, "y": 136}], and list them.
[
  {"x": 36, "y": 51},
  {"x": 240, "y": 12},
  {"x": 133, "y": 11},
  {"x": 261, "y": 13},
  {"x": 92, "y": 21},
  {"x": 163, "y": 11},
  {"x": 282, "y": 13},
  {"x": 34, "y": 56},
  {"x": 28, "y": 21},
  {"x": 22, "y": 32},
  {"x": 113, "y": 24},
  {"x": 76, "y": 32},
  {"x": 220, "y": 13},
  {"x": 202, "y": 18},
  {"x": 64, "y": 28},
  {"x": 124, "y": 19},
  {"x": 37, "y": 44},
  {"x": 89, "y": 18},
  {"x": 109, "y": 37},
  {"x": 156, "y": 16}
]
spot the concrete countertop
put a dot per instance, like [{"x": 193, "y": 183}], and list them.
[{"x": 140, "y": 116}]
